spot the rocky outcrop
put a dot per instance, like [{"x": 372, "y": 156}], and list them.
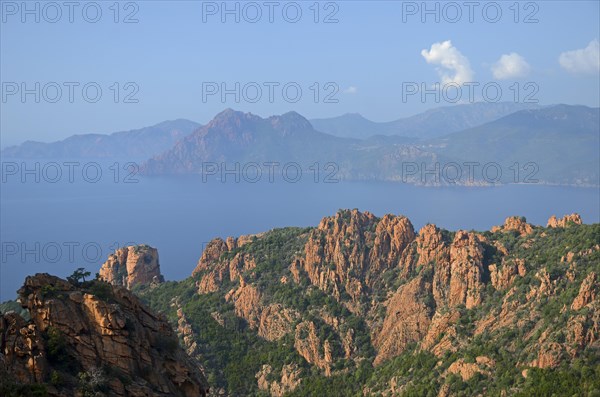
[
  {"x": 130, "y": 266},
  {"x": 587, "y": 292},
  {"x": 215, "y": 268},
  {"x": 308, "y": 344},
  {"x": 431, "y": 247},
  {"x": 246, "y": 301},
  {"x": 392, "y": 236},
  {"x": 336, "y": 254},
  {"x": 441, "y": 335},
  {"x": 565, "y": 221},
  {"x": 348, "y": 344},
  {"x": 549, "y": 356},
  {"x": 276, "y": 321},
  {"x": 515, "y": 223},
  {"x": 504, "y": 275},
  {"x": 466, "y": 269},
  {"x": 482, "y": 365},
  {"x": 348, "y": 252},
  {"x": 85, "y": 329},
  {"x": 457, "y": 264},
  {"x": 395, "y": 290},
  {"x": 290, "y": 379},
  {"x": 211, "y": 254},
  {"x": 406, "y": 321}
]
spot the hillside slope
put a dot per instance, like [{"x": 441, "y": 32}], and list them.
[
  {"x": 91, "y": 339},
  {"x": 367, "y": 306},
  {"x": 138, "y": 144}
]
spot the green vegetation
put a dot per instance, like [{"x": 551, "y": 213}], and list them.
[
  {"x": 78, "y": 274},
  {"x": 574, "y": 380},
  {"x": 9, "y": 388},
  {"x": 232, "y": 352},
  {"x": 92, "y": 382},
  {"x": 101, "y": 289}
]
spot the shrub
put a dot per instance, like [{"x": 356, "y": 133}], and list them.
[{"x": 92, "y": 381}]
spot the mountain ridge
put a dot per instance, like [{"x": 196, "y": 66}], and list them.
[
  {"x": 549, "y": 145},
  {"x": 367, "y": 305},
  {"x": 131, "y": 145},
  {"x": 429, "y": 124},
  {"x": 90, "y": 338},
  {"x": 519, "y": 138}
]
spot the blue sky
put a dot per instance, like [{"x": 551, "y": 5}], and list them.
[{"x": 369, "y": 55}]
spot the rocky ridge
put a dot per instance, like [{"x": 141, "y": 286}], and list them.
[
  {"x": 401, "y": 289},
  {"x": 131, "y": 266},
  {"x": 93, "y": 338}
]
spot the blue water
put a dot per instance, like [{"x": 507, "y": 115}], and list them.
[{"x": 179, "y": 215}]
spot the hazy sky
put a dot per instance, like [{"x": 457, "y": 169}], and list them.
[{"x": 178, "y": 51}]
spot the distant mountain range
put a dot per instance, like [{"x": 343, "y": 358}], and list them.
[
  {"x": 138, "y": 144},
  {"x": 554, "y": 145},
  {"x": 243, "y": 137},
  {"x": 563, "y": 141},
  {"x": 430, "y": 124}
]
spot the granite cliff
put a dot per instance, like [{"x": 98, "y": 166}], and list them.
[
  {"x": 131, "y": 266},
  {"x": 358, "y": 295},
  {"x": 92, "y": 339},
  {"x": 358, "y": 305}
]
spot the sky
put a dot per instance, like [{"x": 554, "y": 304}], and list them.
[{"x": 106, "y": 66}]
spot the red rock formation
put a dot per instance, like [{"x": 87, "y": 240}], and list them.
[
  {"x": 392, "y": 236},
  {"x": 290, "y": 379},
  {"x": 349, "y": 251},
  {"x": 309, "y": 346},
  {"x": 565, "y": 221},
  {"x": 504, "y": 275},
  {"x": 516, "y": 223},
  {"x": 441, "y": 333},
  {"x": 466, "y": 370},
  {"x": 211, "y": 254},
  {"x": 247, "y": 302},
  {"x": 130, "y": 266},
  {"x": 215, "y": 269},
  {"x": 276, "y": 321},
  {"x": 122, "y": 334},
  {"x": 466, "y": 269},
  {"x": 407, "y": 320},
  {"x": 587, "y": 292},
  {"x": 431, "y": 248}
]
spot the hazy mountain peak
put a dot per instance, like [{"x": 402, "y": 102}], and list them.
[
  {"x": 228, "y": 112},
  {"x": 431, "y": 123},
  {"x": 356, "y": 115},
  {"x": 232, "y": 116},
  {"x": 290, "y": 122},
  {"x": 576, "y": 116},
  {"x": 133, "y": 144}
]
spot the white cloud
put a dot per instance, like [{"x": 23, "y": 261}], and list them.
[
  {"x": 585, "y": 60},
  {"x": 351, "y": 90},
  {"x": 455, "y": 67},
  {"x": 510, "y": 66}
]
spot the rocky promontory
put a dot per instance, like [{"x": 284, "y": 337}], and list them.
[{"x": 92, "y": 338}]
